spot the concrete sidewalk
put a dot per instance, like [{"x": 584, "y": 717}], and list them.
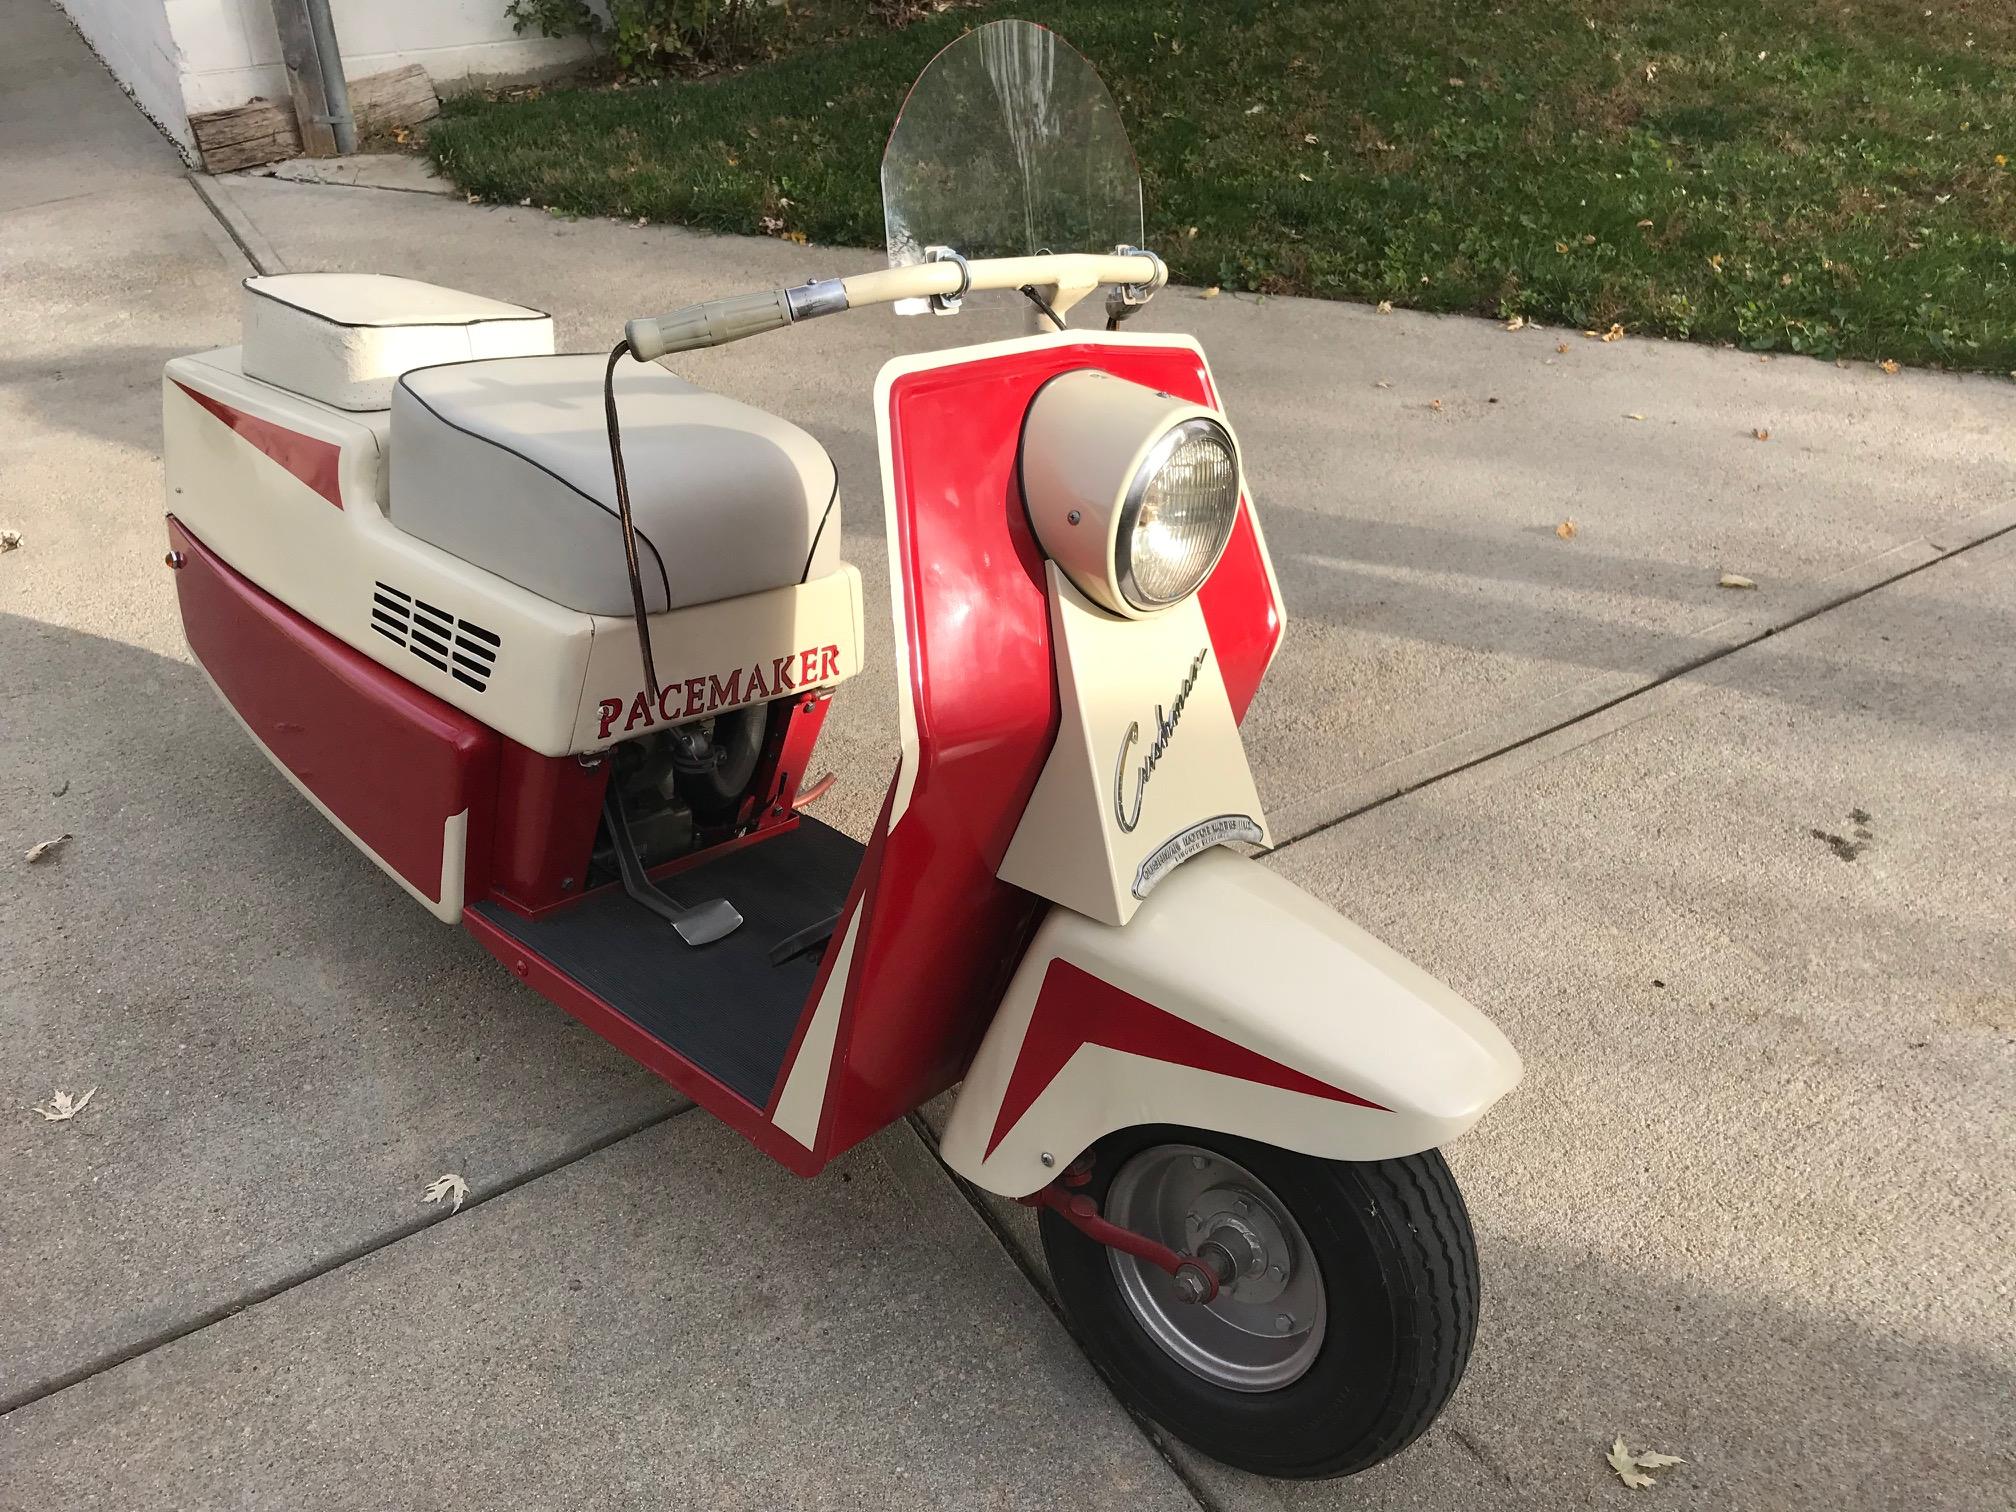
[{"x": 1751, "y": 1206}]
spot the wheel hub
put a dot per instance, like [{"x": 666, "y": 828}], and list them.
[{"x": 1264, "y": 1328}]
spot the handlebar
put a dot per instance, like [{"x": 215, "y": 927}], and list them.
[{"x": 1070, "y": 276}]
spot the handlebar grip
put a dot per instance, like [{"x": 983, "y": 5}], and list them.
[{"x": 713, "y": 323}]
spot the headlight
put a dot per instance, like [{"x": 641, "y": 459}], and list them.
[
  {"x": 1133, "y": 493},
  {"x": 1178, "y": 516}
]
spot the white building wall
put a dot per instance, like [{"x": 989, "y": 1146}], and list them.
[
  {"x": 133, "y": 39},
  {"x": 230, "y": 49}
]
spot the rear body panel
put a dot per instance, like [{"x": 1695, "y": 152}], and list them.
[
  {"x": 290, "y": 493},
  {"x": 408, "y": 778}
]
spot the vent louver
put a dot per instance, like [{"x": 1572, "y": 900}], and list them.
[{"x": 466, "y": 652}]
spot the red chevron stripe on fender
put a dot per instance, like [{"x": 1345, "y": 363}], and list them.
[
  {"x": 311, "y": 460},
  {"x": 1075, "y": 1008}
]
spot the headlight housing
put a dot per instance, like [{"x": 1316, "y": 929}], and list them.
[{"x": 1133, "y": 493}]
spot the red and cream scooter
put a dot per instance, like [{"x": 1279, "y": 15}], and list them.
[{"x": 419, "y": 569}]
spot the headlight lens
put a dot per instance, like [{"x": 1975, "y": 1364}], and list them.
[{"x": 1178, "y": 515}]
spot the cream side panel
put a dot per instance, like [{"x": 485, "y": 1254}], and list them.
[
  {"x": 1147, "y": 768},
  {"x": 322, "y": 561},
  {"x": 720, "y": 656},
  {"x": 1230, "y": 946}
]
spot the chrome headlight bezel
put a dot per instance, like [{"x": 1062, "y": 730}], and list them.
[{"x": 1125, "y": 579}]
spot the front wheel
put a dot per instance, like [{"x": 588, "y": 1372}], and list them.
[{"x": 1346, "y": 1324}]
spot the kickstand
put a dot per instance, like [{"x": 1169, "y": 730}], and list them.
[{"x": 698, "y": 924}]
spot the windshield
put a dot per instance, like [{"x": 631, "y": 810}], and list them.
[{"x": 1009, "y": 145}]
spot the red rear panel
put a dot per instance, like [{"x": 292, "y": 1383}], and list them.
[{"x": 391, "y": 762}]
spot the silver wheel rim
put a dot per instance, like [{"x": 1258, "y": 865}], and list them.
[{"x": 1264, "y": 1328}]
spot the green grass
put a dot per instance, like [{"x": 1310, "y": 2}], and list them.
[{"x": 1821, "y": 176}]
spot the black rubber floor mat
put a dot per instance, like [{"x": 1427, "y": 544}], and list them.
[{"x": 723, "y": 1006}]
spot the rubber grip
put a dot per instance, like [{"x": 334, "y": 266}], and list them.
[{"x": 714, "y": 323}]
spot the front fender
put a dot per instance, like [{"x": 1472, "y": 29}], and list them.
[{"x": 1232, "y": 1001}]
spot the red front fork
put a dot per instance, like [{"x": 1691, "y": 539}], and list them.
[{"x": 1196, "y": 1280}]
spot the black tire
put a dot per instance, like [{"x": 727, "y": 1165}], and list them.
[{"x": 1393, "y": 1244}]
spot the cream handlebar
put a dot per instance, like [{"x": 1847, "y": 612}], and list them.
[{"x": 715, "y": 322}]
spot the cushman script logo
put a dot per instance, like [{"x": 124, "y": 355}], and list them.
[
  {"x": 1165, "y": 727},
  {"x": 703, "y": 695}
]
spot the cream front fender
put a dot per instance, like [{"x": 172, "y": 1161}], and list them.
[{"x": 1232, "y": 1001}]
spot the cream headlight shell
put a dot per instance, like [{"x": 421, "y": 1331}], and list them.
[{"x": 1133, "y": 493}]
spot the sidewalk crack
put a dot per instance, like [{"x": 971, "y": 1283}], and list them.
[{"x": 197, "y": 1322}]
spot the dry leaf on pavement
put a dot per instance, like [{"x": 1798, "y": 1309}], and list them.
[
  {"x": 9, "y": 539},
  {"x": 1735, "y": 580},
  {"x": 1566, "y": 530},
  {"x": 42, "y": 850},
  {"x": 1761, "y": 434},
  {"x": 1560, "y": 346},
  {"x": 1631, "y": 1467},
  {"x": 1210, "y": 293},
  {"x": 1385, "y": 307},
  {"x": 1516, "y": 323},
  {"x": 61, "y": 1108},
  {"x": 1615, "y": 333},
  {"x": 450, "y": 1185},
  {"x": 1887, "y": 365},
  {"x": 1634, "y": 415}
]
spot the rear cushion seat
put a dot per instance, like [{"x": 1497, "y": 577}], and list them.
[
  {"x": 342, "y": 338},
  {"x": 505, "y": 464}
]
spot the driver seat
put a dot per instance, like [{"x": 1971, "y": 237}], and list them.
[{"x": 504, "y": 462}]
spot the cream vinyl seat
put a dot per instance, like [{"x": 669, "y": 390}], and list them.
[{"x": 505, "y": 464}]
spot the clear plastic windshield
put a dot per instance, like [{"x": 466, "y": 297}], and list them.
[{"x": 1009, "y": 145}]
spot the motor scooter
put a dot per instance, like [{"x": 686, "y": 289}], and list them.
[{"x": 550, "y": 638}]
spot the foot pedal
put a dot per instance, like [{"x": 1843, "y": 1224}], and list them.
[
  {"x": 812, "y": 937},
  {"x": 697, "y": 923}
]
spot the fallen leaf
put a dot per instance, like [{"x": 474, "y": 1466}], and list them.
[
  {"x": 1615, "y": 333},
  {"x": 1631, "y": 1467},
  {"x": 1566, "y": 530},
  {"x": 1560, "y": 246},
  {"x": 1382, "y": 383},
  {"x": 1761, "y": 434},
  {"x": 1627, "y": 1467},
  {"x": 1560, "y": 346},
  {"x": 1385, "y": 307},
  {"x": 1516, "y": 323},
  {"x": 10, "y": 540},
  {"x": 1255, "y": 109},
  {"x": 1634, "y": 415},
  {"x": 402, "y": 135},
  {"x": 1735, "y": 580},
  {"x": 61, "y": 1108},
  {"x": 42, "y": 850},
  {"x": 450, "y": 1185},
  {"x": 1435, "y": 405},
  {"x": 1305, "y": 178},
  {"x": 795, "y": 236},
  {"x": 1887, "y": 365},
  {"x": 1210, "y": 293},
  {"x": 1309, "y": 137},
  {"x": 1642, "y": 225}
]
